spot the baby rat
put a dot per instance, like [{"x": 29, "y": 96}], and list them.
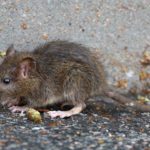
[{"x": 58, "y": 71}]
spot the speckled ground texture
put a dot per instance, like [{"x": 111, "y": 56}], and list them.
[
  {"x": 119, "y": 30},
  {"x": 107, "y": 128}
]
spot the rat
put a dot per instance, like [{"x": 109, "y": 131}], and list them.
[{"x": 56, "y": 72}]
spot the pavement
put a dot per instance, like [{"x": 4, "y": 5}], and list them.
[
  {"x": 98, "y": 127},
  {"x": 120, "y": 32}
]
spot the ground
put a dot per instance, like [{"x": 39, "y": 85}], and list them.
[{"x": 95, "y": 128}]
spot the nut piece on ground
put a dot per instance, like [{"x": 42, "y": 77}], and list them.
[{"x": 34, "y": 115}]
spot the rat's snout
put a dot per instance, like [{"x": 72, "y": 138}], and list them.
[
  {"x": 7, "y": 101},
  {"x": 1, "y": 87}
]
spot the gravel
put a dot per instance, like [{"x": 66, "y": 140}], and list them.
[{"x": 108, "y": 128}]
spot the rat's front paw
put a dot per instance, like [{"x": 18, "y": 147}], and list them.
[{"x": 19, "y": 109}]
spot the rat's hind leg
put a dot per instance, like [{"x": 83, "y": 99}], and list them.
[
  {"x": 62, "y": 114},
  {"x": 76, "y": 90}
]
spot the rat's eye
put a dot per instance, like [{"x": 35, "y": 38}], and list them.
[{"x": 6, "y": 80}]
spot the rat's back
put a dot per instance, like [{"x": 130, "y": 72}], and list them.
[
  {"x": 59, "y": 59},
  {"x": 64, "y": 51}
]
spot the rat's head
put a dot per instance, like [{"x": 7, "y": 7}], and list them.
[{"x": 16, "y": 67}]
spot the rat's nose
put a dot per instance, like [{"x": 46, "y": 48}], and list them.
[{"x": 6, "y": 80}]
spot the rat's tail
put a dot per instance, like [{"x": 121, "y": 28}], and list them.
[{"x": 128, "y": 102}]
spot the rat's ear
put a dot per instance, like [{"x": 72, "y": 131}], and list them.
[
  {"x": 10, "y": 51},
  {"x": 25, "y": 66}
]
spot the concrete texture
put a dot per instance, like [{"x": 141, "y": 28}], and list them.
[{"x": 118, "y": 30}]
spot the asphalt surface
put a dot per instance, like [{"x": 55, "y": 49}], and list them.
[{"x": 98, "y": 128}]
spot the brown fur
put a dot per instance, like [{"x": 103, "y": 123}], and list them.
[
  {"x": 58, "y": 71},
  {"x": 63, "y": 72}
]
